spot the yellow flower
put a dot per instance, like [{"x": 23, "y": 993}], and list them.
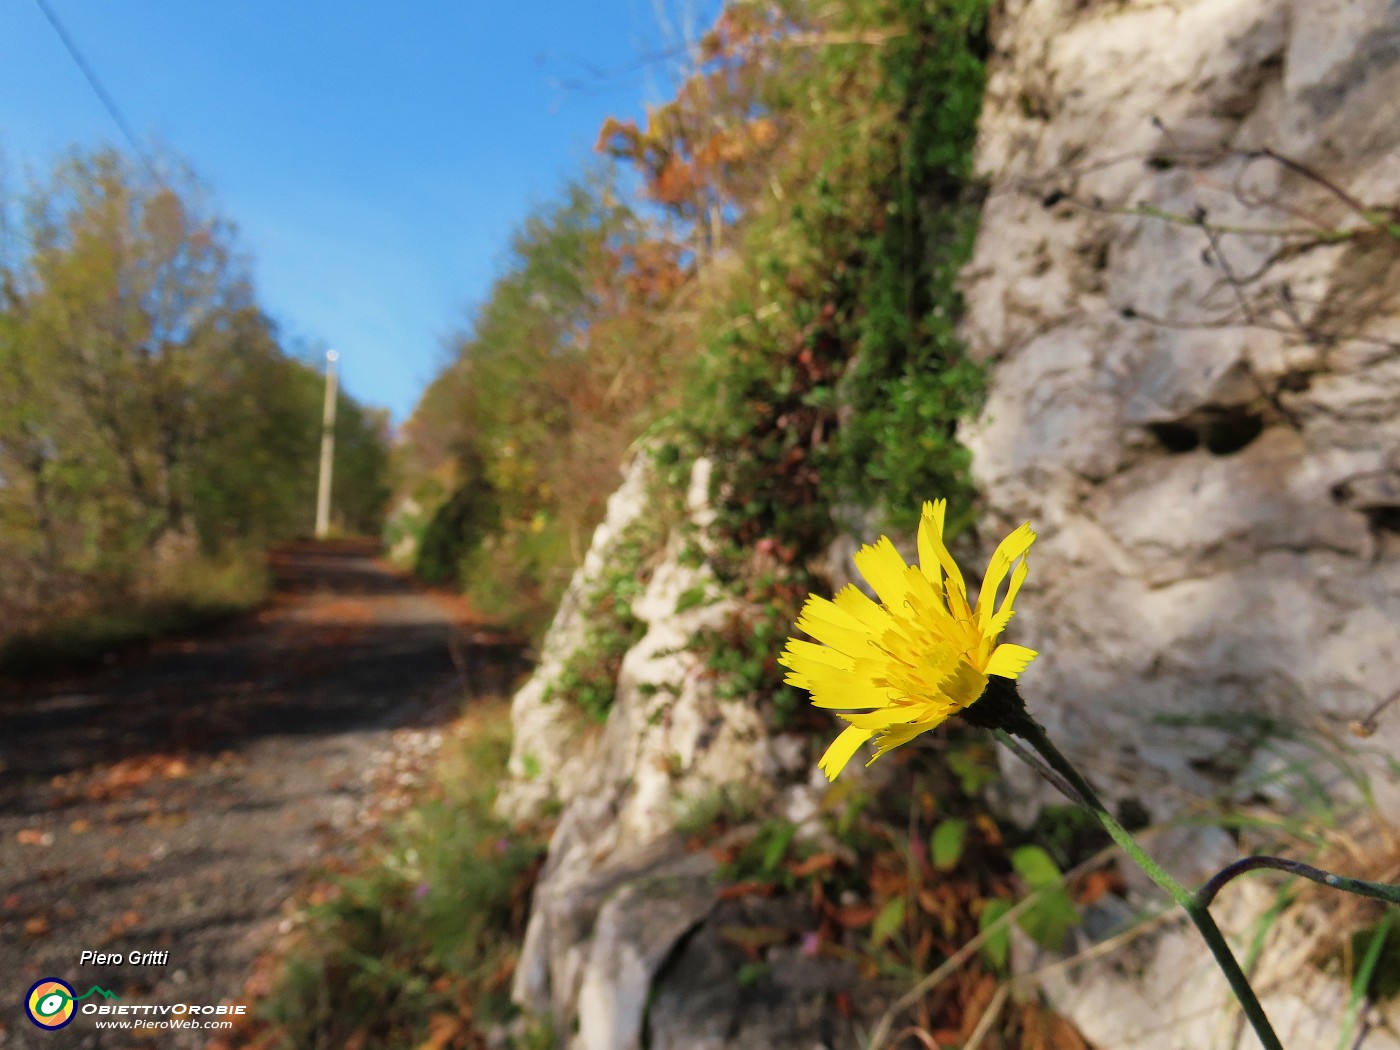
[{"x": 920, "y": 655}]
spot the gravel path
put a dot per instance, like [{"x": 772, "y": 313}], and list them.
[{"x": 169, "y": 803}]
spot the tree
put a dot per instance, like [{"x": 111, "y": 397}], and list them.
[{"x": 145, "y": 402}]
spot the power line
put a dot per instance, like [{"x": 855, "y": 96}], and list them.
[{"x": 102, "y": 94}]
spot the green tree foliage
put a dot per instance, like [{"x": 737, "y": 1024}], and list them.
[
  {"x": 147, "y": 412},
  {"x": 807, "y": 202},
  {"x": 514, "y": 448}
]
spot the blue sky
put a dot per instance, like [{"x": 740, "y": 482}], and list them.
[{"x": 375, "y": 155}]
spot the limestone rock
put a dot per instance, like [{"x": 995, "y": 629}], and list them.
[
  {"x": 597, "y": 938},
  {"x": 547, "y": 761},
  {"x": 702, "y": 1003},
  {"x": 618, "y": 890},
  {"x": 1203, "y": 424}
]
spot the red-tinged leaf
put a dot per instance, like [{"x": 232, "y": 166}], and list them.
[
  {"x": 886, "y": 885},
  {"x": 756, "y": 937},
  {"x": 990, "y": 832},
  {"x": 976, "y": 996},
  {"x": 750, "y": 888},
  {"x": 443, "y": 1030},
  {"x": 820, "y": 862},
  {"x": 1097, "y": 884},
  {"x": 855, "y": 915}
]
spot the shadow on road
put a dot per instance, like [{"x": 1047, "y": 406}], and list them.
[
  {"x": 346, "y": 644},
  {"x": 170, "y": 801}
]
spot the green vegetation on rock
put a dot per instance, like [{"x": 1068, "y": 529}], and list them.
[{"x": 781, "y": 299}]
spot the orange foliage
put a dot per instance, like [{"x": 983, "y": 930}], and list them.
[{"x": 704, "y": 153}]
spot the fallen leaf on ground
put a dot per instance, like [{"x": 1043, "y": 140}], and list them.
[
  {"x": 443, "y": 1030},
  {"x": 754, "y": 937},
  {"x": 1097, "y": 884},
  {"x": 749, "y": 888},
  {"x": 857, "y": 915},
  {"x": 812, "y": 865}
]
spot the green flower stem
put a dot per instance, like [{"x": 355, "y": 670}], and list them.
[
  {"x": 1001, "y": 708},
  {"x": 1381, "y": 891},
  {"x": 1198, "y": 912}
]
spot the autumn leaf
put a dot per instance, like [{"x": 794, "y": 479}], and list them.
[
  {"x": 748, "y": 888},
  {"x": 856, "y": 915},
  {"x": 755, "y": 937},
  {"x": 443, "y": 1030},
  {"x": 812, "y": 865},
  {"x": 1097, "y": 884}
]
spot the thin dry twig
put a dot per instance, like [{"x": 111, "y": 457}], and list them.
[{"x": 988, "y": 1018}]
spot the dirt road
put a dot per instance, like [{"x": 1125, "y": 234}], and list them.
[{"x": 169, "y": 803}]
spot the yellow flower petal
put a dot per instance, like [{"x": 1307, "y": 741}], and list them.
[
  {"x": 827, "y": 623},
  {"x": 845, "y": 690},
  {"x": 933, "y": 554},
  {"x": 841, "y": 750},
  {"x": 1002, "y": 616},
  {"x": 1010, "y": 660},
  {"x": 964, "y": 685},
  {"x": 799, "y": 655},
  {"x": 898, "y": 667},
  {"x": 879, "y": 721},
  {"x": 883, "y": 569},
  {"x": 890, "y": 740},
  {"x": 1008, "y": 550},
  {"x": 855, "y": 601}
]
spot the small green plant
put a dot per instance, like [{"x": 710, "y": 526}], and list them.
[
  {"x": 589, "y": 676},
  {"x": 740, "y": 652},
  {"x": 1054, "y": 914},
  {"x": 763, "y": 858},
  {"x": 725, "y": 807}
]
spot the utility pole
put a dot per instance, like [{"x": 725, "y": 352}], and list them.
[{"x": 323, "y": 489}]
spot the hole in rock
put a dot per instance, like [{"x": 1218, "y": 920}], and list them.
[
  {"x": 1383, "y": 519},
  {"x": 1176, "y": 438},
  {"x": 1133, "y": 815},
  {"x": 1232, "y": 431}
]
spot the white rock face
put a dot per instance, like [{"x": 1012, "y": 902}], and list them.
[
  {"x": 667, "y": 738},
  {"x": 1203, "y": 424},
  {"x": 618, "y": 890},
  {"x": 548, "y": 760}
]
